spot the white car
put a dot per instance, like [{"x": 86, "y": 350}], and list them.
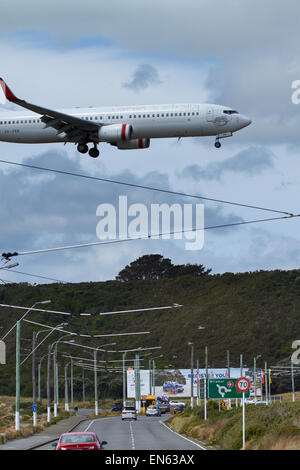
[
  {"x": 153, "y": 411},
  {"x": 129, "y": 412},
  {"x": 177, "y": 403}
]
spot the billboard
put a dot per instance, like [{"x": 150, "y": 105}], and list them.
[{"x": 177, "y": 382}]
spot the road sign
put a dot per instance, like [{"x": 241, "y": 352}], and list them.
[
  {"x": 225, "y": 389},
  {"x": 243, "y": 384},
  {"x": 34, "y": 408}
]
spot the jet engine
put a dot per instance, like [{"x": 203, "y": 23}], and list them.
[
  {"x": 133, "y": 144},
  {"x": 115, "y": 133}
]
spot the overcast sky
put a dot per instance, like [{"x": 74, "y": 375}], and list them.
[{"x": 240, "y": 54}]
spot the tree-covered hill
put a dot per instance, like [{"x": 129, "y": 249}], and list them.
[{"x": 246, "y": 313}]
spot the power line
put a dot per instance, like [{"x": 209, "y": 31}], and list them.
[
  {"x": 149, "y": 188},
  {"x": 34, "y": 275},
  {"x": 144, "y": 237}
]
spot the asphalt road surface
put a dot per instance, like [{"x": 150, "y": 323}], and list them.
[{"x": 147, "y": 433}]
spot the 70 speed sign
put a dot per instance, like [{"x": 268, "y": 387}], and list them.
[{"x": 242, "y": 385}]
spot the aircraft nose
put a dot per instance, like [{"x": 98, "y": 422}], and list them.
[{"x": 245, "y": 121}]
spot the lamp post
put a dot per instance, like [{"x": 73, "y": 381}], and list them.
[
  {"x": 39, "y": 377},
  {"x": 18, "y": 355},
  {"x": 55, "y": 371},
  {"x": 192, "y": 373},
  {"x": 17, "y": 417},
  {"x": 255, "y": 377},
  {"x": 25, "y": 314}
]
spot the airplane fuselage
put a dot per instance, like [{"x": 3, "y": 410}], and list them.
[{"x": 147, "y": 122}]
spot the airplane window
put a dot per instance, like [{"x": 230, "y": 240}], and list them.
[
  {"x": 108, "y": 117},
  {"x": 230, "y": 111},
  {"x": 153, "y": 115}
]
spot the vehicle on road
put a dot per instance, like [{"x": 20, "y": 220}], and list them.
[
  {"x": 164, "y": 407},
  {"x": 153, "y": 411},
  {"x": 129, "y": 412},
  {"x": 177, "y": 402},
  {"x": 79, "y": 441},
  {"x": 178, "y": 409},
  {"x": 116, "y": 407}
]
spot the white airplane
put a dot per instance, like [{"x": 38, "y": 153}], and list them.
[{"x": 126, "y": 127}]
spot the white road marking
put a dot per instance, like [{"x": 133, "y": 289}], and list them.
[
  {"x": 89, "y": 426},
  {"x": 183, "y": 437},
  {"x": 132, "y": 436}
]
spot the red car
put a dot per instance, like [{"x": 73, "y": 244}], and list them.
[{"x": 79, "y": 441}]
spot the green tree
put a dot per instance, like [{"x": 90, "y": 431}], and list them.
[
  {"x": 146, "y": 267},
  {"x": 158, "y": 267}
]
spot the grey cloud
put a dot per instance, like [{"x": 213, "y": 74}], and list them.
[
  {"x": 144, "y": 76},
  {"x": 41, "y": 210},
  {"x": 250, "y": 162}
]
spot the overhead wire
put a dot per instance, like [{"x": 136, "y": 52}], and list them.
[
  {"x": 144, "y": 237},
  {"x": 149, "y": 188}
]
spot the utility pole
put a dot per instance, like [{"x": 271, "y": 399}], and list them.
[
  {"x": 206, "y": 383},
  {"x": 198, "y": 384},
  {"x": 192, "y": 374},
  {"x": 66, "y": 388},
  {"x": 72, "y": 385},
  {"x": 124, "y": 379},
  {"x": 228, "y": 364},
  {"x": 293, "y": 382},
  {"x": 153, "y": 377},
  {"x": 96, "y": 383},
  {"x": 48, "y": 386},
  {"x": 137, "y": 384},
  {"x": 83, "y": 385},
  {"x": 266, "y": 383},
  {"x": 17, "y": 418},
  {"x": 34, "y": 379}
]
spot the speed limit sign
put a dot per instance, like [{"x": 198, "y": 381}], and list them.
[{"x": 242, "y": 385}]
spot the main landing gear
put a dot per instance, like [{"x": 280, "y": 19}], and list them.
[{"x": 93, "y": 152}]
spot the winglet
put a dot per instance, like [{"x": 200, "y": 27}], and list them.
[{"x": 7, "y": 92}]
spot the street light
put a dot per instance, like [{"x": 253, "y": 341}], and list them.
[
  {"x": 23, "y": 316},
  {"x": 192, "y": 373},
  {"x": 18, "y": 387},
  {"x": 255, "y": 376}
]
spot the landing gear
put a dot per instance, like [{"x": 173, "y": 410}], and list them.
[
  {"x": 221, "y": 136},
  {"x": 94, "y": 152},
  {"x": 82, "y": 148}
]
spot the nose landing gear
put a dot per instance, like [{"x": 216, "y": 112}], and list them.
[{"x": 221, "y": 136}]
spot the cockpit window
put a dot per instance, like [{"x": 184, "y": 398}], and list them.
[{"x": 230, "y": 111}]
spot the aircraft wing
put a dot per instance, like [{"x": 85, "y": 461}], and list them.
[{"x": 76, "y": 129}]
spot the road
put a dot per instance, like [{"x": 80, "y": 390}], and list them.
[{"x": 147, "y": 433}]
